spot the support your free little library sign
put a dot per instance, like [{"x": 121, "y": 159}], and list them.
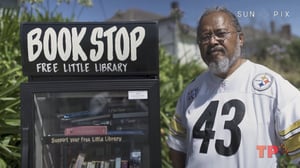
[{"x": 127, "y": 48}]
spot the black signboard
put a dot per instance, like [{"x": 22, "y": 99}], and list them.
[{"x": 84, "y": 48}]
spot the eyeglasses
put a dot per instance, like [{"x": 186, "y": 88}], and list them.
[{"x": 220, "y": 36}]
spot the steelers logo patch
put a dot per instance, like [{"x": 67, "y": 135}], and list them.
[{"x": 262, "y": 81}]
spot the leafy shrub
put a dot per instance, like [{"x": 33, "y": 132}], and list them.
[
  {"x": 173, "y": 79},
  {"x": 10, "y": 79}
]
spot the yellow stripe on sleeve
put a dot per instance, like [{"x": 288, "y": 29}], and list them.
[
  {"x": 176, "y": 128},
  {"x": 294, "y": 157},
  {"x": 292, "y": 143},
  {"x": 294, "y": 126}
]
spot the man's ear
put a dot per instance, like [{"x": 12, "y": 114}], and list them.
[{"x": 241, "y": 38}]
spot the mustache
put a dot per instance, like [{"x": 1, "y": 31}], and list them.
[{"x": 216, "y": 48}]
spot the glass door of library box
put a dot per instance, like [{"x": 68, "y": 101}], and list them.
[{"x": 93, "y": 124}]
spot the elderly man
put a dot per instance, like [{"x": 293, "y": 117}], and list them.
[{"x": 238, "y": 113}]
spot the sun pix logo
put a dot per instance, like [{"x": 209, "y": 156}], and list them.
[{"x": 262, "y": 81}]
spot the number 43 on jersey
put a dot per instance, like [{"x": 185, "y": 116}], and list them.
[{"x": 208, "y": 118}]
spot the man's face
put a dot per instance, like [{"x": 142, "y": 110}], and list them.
[{"x": 219, "y": 53}]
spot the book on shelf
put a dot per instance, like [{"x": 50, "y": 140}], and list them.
[
  {"x": 116, "y": 108},
  {"x": 85, "y": 130},
  {"x": 96, "y": 164},
  {"x": 126, "y": 132},
  {"x": 91, "y": 164},
  {"x": 129, "y": 121},
  {"x": 72, "y": 163},
  {"x": 79, "y": 161},
  {"x": 91, "y": 118},
  {"x": 99, "y": 164},
  {"x": 135, "y": 159},
  {"x": 108, "y": 118},
  {"x": 106, "y": 164},
  {"x": 124, "y": 163},
  {"x": 73, "y": 115},
  {"x": 88, "y": 115},
  {"x": 118, "y": 162},
  {"x": 111, "y": 163},
  {"x": 130, "y": 115},
  {"x": 143, "y": 127},
  {"x": 102, "y": 164},
  {"x": 105, "y": 122},
  {"x": 122, "y": 108}
]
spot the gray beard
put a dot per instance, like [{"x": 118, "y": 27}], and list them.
[{"x": 222, "y": 66}]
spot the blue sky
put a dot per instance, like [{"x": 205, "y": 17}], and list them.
[{"x": 255, "y": 12}]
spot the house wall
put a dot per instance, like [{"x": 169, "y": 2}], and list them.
[
  {"x": 188, "y": 50},
  {"x": 181, "y": 46},
  {"x": 167, "y": 37}
]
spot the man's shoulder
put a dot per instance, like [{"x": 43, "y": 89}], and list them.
[
  {"x": 260, "y": 68},
  {"x": 264, "y": 78},
  {"x": 199, "y": 80}
]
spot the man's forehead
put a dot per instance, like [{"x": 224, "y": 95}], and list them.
[
  {"x": 217, "y": 13},
  {"x": 216, "y": 20}
]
